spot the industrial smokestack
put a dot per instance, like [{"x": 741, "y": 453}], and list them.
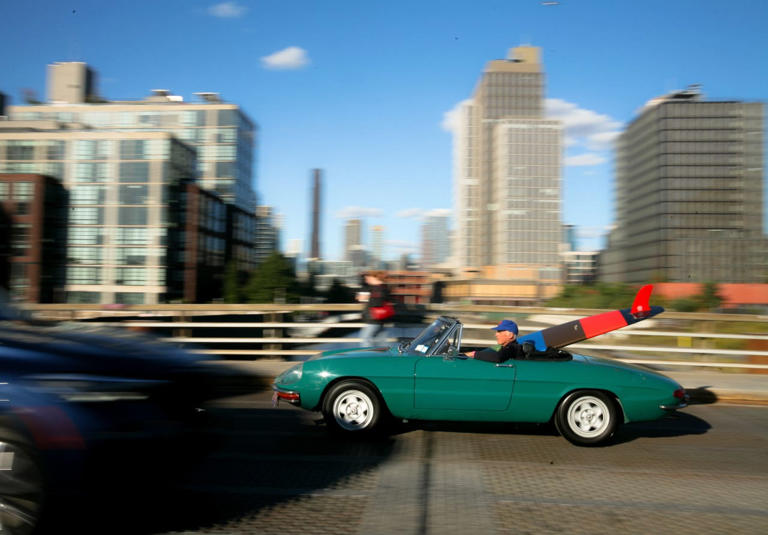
[{"x": 315, "y": 247}]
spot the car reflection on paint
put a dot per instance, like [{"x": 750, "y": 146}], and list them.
[
  {"x": 78, "y": 403},
  {"x": 428, "y": 378}
]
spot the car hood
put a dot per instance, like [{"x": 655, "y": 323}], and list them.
[{"x": 358, "y": 352}]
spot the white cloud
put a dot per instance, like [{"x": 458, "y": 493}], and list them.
[
  {"x": 410, "y": 213},
  {"x": 227, "y": 10},
  {"x": 583, "y": 127},
  {"x": 439, "y": 212},
  {"x": 588, "y": 158},
  {"x": 451, "y": 118},
  {"x": 292, "y": 57},
  {"x": 349, "y": 212}
]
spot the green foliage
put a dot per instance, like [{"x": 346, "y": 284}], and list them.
[
  {"x": 274, "y": 281},
  {"x": 684, "y": 305},
  {"x": 232, "y": 284},
  {"x": 600, "y": 295},
  {"x": 707, "y": 300}
]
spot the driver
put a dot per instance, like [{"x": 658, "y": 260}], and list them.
[{"x": 506, "y": 348}]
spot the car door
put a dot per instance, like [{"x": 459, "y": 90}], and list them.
[{"x": 457, "y": 386}]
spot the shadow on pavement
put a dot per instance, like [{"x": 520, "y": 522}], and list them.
[
  {"x": 674, "y": 425},
  {"x": 701, "y": 395},
  {"x": 263, "y": 460}
]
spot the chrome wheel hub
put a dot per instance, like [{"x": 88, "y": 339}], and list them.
[{"x": 588, "y": 416}]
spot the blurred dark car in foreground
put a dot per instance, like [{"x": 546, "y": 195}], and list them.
[{"x": 79, "y": 402}]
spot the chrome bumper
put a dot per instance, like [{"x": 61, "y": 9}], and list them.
[{"x": 680, "y": 405}]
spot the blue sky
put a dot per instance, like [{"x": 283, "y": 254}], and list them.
[{"x": 364, "y": 89}]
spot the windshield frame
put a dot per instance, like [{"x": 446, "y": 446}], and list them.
[{"x": 429, "y": 340}]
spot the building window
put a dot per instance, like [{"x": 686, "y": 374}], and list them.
[
  {"x": 21, "y": 150},
  {"x": 86, "y": 215},
  {"x": 20, "y": 238},
  {"x": 91, "y": 172},
  {"x": 132, "y": 215},
  {"x": 133, "y": 194},
  {"x": 83, "y": 275},
  {"x": 56, "y": 150},
  {"x": 23, "y": 191},
  {"x": 85, "y": 235},
  {"x": 84, "y": 255},
  {"x": 85, "y": 298},
  {"x": 132, "y": 236},
  {"x": 5, "y": 188},
  {"x": 89, "y": 149},
  {"x": 125, "y": 298},
  {"x": 227, "y": 118},
  {"x": 134, "y": 172},
  {"x": 132, "y": 256},
  {"x": 133, "y": 149},
  {"x": 131, "y": 276},
  {"x": 88, "y": 195}
]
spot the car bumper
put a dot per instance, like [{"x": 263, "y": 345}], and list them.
[{"x": 291, "y": 396}]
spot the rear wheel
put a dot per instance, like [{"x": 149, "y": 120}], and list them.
[
  {"x": 587, "y": 418},
  {"x": 352, "y": 407}
]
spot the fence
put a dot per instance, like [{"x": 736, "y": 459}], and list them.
[{"x": 671, "y": 339}]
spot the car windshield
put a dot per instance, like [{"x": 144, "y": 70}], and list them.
[{"x": 430, "y": 336}]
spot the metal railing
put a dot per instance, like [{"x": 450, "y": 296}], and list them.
[{"x": 693, "y": 340}]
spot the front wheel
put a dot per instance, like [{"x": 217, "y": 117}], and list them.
[
  {"x": 587, "y": 418},
  {"x": 352, "y": 407}
]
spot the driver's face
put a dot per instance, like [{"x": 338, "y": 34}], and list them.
[{"x": 504, "y": 337}]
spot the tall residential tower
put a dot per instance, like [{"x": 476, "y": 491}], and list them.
[{"x": 507, "y": 169}]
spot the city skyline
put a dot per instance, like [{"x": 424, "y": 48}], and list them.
[{"x": 366, "y": 92}]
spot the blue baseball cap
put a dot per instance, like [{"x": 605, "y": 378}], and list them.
[{"x": 506, "y": 325}]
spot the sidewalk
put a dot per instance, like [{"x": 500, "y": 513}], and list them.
[{"x": 703, "y": 386}]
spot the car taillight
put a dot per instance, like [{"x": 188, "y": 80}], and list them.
[
  {"x": 680, "y": 394},
  {"x": 288, "y": 396}
]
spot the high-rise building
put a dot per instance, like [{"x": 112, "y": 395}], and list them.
[
  {"x": 689, "y": 193},
  {"x": 124, "y": 241},
  {"x": 507, "y": 170},
  {"x": 267, "y": 233},
  {"x": 435, "y": 240},
  {"x": 377, "y": 246},
  {"x": 220, "y": 132},
  {"x": 353, "y": 242}
]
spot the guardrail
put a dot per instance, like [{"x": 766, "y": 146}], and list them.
[{"x": 693, "y": 339}]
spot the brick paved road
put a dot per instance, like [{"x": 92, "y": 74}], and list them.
[{"x": 276, "y": 471}]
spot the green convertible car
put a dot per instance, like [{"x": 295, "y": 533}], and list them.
[{"x": 427, "y": 378}]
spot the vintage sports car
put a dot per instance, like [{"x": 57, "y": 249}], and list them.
[{"x": 428, "y": 378}]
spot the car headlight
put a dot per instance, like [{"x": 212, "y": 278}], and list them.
[
  {"x": 290, "y": 376},
  {"x": 90, "y": 388}
]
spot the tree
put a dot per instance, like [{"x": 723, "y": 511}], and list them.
[
  {"x": 233, "y": 292},
  {"x": 709, "y": 298},
  {"x": 273, "y": 281}
]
